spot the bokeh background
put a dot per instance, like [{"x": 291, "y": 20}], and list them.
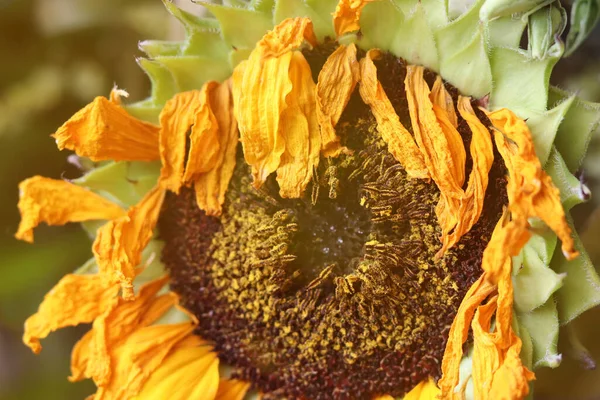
[{"x": 55, "y": 57}]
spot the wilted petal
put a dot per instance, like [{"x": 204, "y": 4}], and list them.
[
  {"x": 232, "y": 389},
  {"x": 347, "y": 15},
  {"x": 57, "y": 202}
]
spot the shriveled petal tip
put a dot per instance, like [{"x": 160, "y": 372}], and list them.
[
  {"x": 288, "y": 35},
  {"x": 176, "y": 118},
  {"x": 119, "y": 243},
  {"x": 76, "y": 299},
  {"x": 214, "y": 140},
  {"x": 275, "y": 106},
  {"x": 337, "y": 80},
  {"x": 103, "y": 130},
  {"x": 57, "y": 202},
  {"x": 531, "y": 192},
  {"x": 346, "y": 17},
  {"x": 399, "y": 140},
  {"x": 232, "y": 389}
]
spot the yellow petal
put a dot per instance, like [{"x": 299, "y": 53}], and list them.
[
  {"x": 76, "y": 299},
  {"x": 440, "y": 143},
  {"x": 119, "y": 243},
  {"x": 300, "y": 131},
  {"x": 274, "y": 98},
  {"x": 458, "y": 335},
  {"x": 103, "y": 130},
  {"x": 440, "y": 96},
  {"x": 189, "y": 372},
  {"x": 531, "y": 192},
  {"x": 176, "y": 118},
  {"x": 426, "y": 390},
  {"x": 335, "y": 85},
  {"x": 57, "y": 202},
  {"x": 214, "y": 140},
  {"x": 91, "y": 356},
  {"x": 511, "y": 380},
  {"x": 232, "y": 389},
  {"x": 347, "y": 15},
  {"x": 487, "y": 357},
  {"x": 482, "y": 154},
  {"x": 400, "y": 142}
]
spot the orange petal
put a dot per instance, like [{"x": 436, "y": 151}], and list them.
[
  {"x": 273, "y": 91},
  {"x": 458, "y": 335},
  {"x": 232, "y": 389},
  {"x": 440, "y": 96},
  {"x": 103, "y": 130},
  {"x": 176, "y": 118},
  {"x": 425, "y": 390},
  {"x": 531, "y": 192},
  {"x": 76, "y": 299},
  {"x": 57, "y": 202},
  {"x": 400, "y": 142},
  {"x": 119, "y": 244},
  {"x": 511, "y": 380},
  {"x": 300, "y": 131},
  {"x": 347, "y": 15},
  {"x": 440, "y": 143},
  {"x": 487, "y": 357},
  {"x": 337, "y": 81},
  {"x": 214, "y": 139},
  {"x": 482, "y": 154}
]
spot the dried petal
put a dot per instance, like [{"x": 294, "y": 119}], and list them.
[
  {"x": 103, "y": 130},
  {"x": 531, "y": 192},
  {"x": 482, "y": 154},
  {"x": 337, "y": 80},
  {"x": 57, "y": 202},
  {"x": 232, "y": 389},
  {"x": 275, "y": 106},
  {"x": 176, "y": 118},
  {"x": 119, "y": 244},
  {"x": 440, "y": 96},
  {"x": 400, "y": 142},
  {"x": 347, "y": 15},
  {"x": 425, "y": 390},
  {"x": 214, "y": 139}
]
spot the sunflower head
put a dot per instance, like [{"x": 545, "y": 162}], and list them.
[{"x": 331, "y": 199}]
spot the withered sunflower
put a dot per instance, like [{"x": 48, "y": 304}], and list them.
[{"x": 322, "y": 240}]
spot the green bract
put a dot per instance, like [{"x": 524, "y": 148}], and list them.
[{"x": 475, "y": 46}]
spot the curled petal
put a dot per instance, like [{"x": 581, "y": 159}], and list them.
[
  {"x": 400, "y": 142},
  {"x": 274, "y": 98},
  {"x": 103, "y": 130},
  {"x": 232, "y": 389},
  {"x": 119, "y": 243},
  {"x": 440, "y": 143},
  {"x": 482, "y": 154},
  {"x": 214, "y": 139},
  {"x": 347, "y": 15},
  {"x": 337, "y": 81},
  {"x": 531, "y": 192},
  {"x": 57, "y": 202},
  {"x": 76, "y": 299},
  {"x": 176, "y": 118}
]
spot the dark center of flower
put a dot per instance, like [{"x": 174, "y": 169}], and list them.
[{"x": 337, "y": 294}]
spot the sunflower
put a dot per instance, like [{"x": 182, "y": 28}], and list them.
[{"x": 325, "y": 199}]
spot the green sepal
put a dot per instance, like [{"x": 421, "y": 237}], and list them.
[
  {"x": 124, "y": 182},
  {"x": 575, "y": 132},
  {"x": 464, "y": 39},
  {"x": 506, "y": 31},
  {"x": 154, "y": 48},
  {"x": 581, "y": 288},
  {"x": 502, "y": 8},
  {"x": 235, "y": 3},
  {"x": 241, "y": 28},
  {"x": 542, "y": 326},
  {"x": 544, "y": 30},
  {"x": 191, "y": 72},
  {"x": 189, "y": 21},
  {"x": 265, "y": 6},
  {"x": 520, "y": 83},
  {"x": 145, "y": 110},
  {"x": 535, "y": 281},
  {"x": 544, "y": 127},
  {"x": 377, "y": 21},
  {"x": 236, "y": 56},
  {"x": 585, "y": 14},
  {"x": 324, "y": 9},
  {"x": 207, "y": 43},
  {"x": 163, "y": 83},
  {"x": 299, "y": 8},
  {"x": 527, "y": 346},
  {"x": 572, "y": 191}
]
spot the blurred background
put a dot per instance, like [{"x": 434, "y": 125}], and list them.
[{"x": 57, "y": 55}]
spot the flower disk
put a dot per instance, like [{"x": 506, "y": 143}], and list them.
[{"x": 342, "y": 293}]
